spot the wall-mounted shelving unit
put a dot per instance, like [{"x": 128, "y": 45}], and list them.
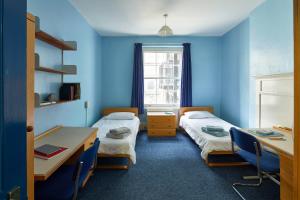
[{"x": 63, "y": 46}]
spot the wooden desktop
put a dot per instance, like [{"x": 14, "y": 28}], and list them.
[
  {"x": 285, "y": 150},
  {"x": 75, "y": 139}
]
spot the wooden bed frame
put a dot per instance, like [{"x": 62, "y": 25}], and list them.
[
  {"x": 212, "y": 164},
  {"x": 105, "y": 112}
]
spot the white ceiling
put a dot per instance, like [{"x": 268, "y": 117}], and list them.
[{"x": 145, "y": 17}]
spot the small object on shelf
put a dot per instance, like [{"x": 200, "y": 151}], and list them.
[
  {"x": 69, "y": 91},
  {"x": 51, "y": 98}
]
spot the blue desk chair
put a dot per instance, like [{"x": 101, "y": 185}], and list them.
[
  {"x": 267, "y": 163},
  {"x": 65, "y": 182}
]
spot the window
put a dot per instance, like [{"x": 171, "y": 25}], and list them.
[{"x": 162, "y": 76}]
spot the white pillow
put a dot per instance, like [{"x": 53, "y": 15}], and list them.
[
  {"x": 120, "y": 116},
  {"x": 199, "y": 115}
]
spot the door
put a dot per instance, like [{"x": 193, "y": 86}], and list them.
[{"x": 13, "y": 98}]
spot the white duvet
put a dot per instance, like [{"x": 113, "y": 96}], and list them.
[
  {"x": 118, "y": 146},
  {"x": 206, "y": 142}
]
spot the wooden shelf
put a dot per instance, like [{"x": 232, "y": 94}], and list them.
[
  {"x": 45, "y": 37},
  {"x": 48, "y": 38},
  {"x": 65, "y": 69},
  {"x": 49, "y": 70},
  {"x": 58, "y": 102}
]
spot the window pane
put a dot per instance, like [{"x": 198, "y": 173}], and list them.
[
  {"x": 166, "y": 91},
  {"x": 150, "y": 91},
  {"x": 150, "y": 71},
  {"x": 149, "y": 58},
  {"x": 161, "y": 57}
]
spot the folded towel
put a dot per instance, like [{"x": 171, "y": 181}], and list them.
[
  {"x": 214, "y": 128},
  {"x": 118, "y": 133},
  {"x": 265, "y": 132},
  {"x": 120, "y": 130},
  {"x": 117, "y": 136},
  {"x": 215, "y": 133}
]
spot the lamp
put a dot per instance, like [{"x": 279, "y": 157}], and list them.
[{"x": 165, "y": 30}]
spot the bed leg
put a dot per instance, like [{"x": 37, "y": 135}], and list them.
[{"x": 116, "y": 167}]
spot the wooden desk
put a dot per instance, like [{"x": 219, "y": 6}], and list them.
[
  {"x": 285, "y": 150},
  {"x": 75, "y": 139}
]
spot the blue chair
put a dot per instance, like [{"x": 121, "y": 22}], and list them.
[
  {"x": 65, "y": 182},
  {"x": 267, "y": 163}
]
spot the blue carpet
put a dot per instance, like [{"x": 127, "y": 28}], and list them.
[{"x": 172, "y": 169}]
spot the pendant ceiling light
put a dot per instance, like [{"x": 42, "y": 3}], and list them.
[{"x": 165, "y": 30}]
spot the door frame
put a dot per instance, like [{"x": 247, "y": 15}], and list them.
[
  {"x": 13, "y": 97},
  {"x": 296, "y": 100},
  {"x": 1, "y": 94}
]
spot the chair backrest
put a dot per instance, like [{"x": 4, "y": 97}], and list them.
[
  {"x": 245, "y": 141},
  {"x": 88, "y": 157}
]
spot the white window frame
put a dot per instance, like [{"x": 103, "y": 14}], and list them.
[{"x": 157, "y": 50}]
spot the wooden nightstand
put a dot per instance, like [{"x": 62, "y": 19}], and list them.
[{"x": 161, "y": 124}]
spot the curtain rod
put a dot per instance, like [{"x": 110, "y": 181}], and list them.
[{"x": 162, "y": 44}]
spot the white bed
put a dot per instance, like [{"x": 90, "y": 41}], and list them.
[
  {"x": 117, "y": 147},
  {"x": 206, "y": 142}
]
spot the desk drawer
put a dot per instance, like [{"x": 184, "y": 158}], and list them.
[
  {"x": 161, "y": 126},
  {"x": 90, "y": 141},
  {"x": 162, "y": 132},
  {"x": 161, "y": 119}
]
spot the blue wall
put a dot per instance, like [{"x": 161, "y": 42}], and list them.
[
  {"x": 271, "y": 38},
  {"x": 117, "y": 65},
  {"x": 261, "y": 45},
  {"x": 271, "y": 43},
  {"x": 235, "y": 75},
  {"x": 58, "y": 18}
]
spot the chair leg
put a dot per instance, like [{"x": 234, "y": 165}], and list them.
[
  {"x": 257, "y": 177},
  {"x": 77, "y": 181},
  {"x": 251, "y": 177},
  {"x": 245, "y": 184},
  {"x": 271, "y": 177}
]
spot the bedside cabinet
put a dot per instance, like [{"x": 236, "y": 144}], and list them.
[{"x": 161, "y": 124}]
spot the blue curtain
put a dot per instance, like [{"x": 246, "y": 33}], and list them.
[
  {"x": 137, "y": 99},
  {"x": 186, "y": 77}
]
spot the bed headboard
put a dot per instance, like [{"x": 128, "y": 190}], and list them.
[
  {"x": 107, "y": 111},
  {"x": 201, "y": 108}
]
